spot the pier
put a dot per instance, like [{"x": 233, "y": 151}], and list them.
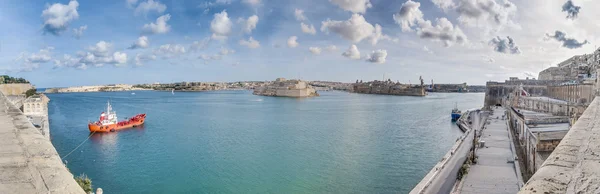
[
  {"x": 495, "y": 170},
  {"x": 28, "y": 161}
]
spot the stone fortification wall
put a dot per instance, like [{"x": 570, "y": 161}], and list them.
[
  {"x": 28, "y": 161},
  {"x": 14, "y": 89},
  {"x": 573, "y": 167},
  {"x": 576, "y": 93}
]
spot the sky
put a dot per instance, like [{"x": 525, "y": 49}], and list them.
[{"x": 60, "y": 43}]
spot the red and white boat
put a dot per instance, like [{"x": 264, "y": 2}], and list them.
[{"x": 108, "y": 122}]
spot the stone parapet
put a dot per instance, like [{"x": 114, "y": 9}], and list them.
[{"x": 28, "y": 161}]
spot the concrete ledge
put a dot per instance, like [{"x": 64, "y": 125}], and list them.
[
  {"x": 574, "y": 166},
  {"x": 28, "y": 161}
]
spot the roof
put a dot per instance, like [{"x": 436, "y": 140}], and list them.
[{"x": 546, "y": 99}]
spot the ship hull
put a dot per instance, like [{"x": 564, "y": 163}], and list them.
[{"x": 95, "y": 128}]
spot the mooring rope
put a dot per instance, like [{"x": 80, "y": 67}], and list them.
[{"x": 78, "y": 146}]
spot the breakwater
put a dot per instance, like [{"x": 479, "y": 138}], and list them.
[{"x": 28, "y": 161}]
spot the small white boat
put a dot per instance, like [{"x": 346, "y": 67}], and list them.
[
  {"x": 173, "y": 91},
  {"x": 132, "y": 93}
]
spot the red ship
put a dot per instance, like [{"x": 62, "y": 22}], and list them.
[{"x": 108, "y": 122}]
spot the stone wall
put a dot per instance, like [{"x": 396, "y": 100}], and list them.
[
  {"x": 14, "y": 89},
  {"x": 573, "y": 166},
  {"x": 29, "y": 162},
  {"x": 576, "y": 93}
]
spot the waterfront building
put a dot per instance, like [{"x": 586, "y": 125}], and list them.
[
  {"x": 286, "y": 88},
  {"x": 36, "y": 105}
]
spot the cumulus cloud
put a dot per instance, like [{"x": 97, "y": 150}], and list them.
[
  {"x": 308, "y": 29},
  {"x": 140, "y": 59},
  {"x": 299, "y": 14},
  {"x": 170, "y": 50},
  {"x": 250, "y": 43},
  {"x": 377, "y": 56},
  {"x": 208, "y": 4},
  {"x": 78, "y": 32},
  {"x": 160, "y": 27},
  {"x": 220, "y": 26},
  {"x": 571, "y": 9},
  {"x": 354, "y": 6},
  {"x": 119, "y": 58},
  {"x": 97, "y": 56},
  {"x": 252, "y": 2},
  {"x": 248, "y": 24},
  {"x": 101, "y": 48},
  {"x": 315, "y": 50},
  {"x": 352, "y": 52},
  {"x": 443, "y": 31},
  {"x": 506, "y": 46},
  {"x": 148, "y": 6},
  {"x": 487, "y": 14},
  {"x": 331, "y": 48},
  {"x": 141, "y": 42},
  {"x": 444, "y": 4},
  {"x": 57, "y": 17},
  {"x": 42, "y": 56},
  {"x": 410, "y": 16},
  {"x": 354, "y": 29},
  {"x": 570, "y": 43},
  {"x": 292, "y": 43}
]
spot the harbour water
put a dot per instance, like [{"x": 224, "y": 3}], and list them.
[{"x": 236, "y": 142}]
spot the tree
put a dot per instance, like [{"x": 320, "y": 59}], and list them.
[
  {"x": 84, "y": 182},
  {"x": 30, "y": 92}
]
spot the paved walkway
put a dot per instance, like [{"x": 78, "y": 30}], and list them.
[
  {"x": 493, "y": 173},
  {"x": 28, "y": 161}
]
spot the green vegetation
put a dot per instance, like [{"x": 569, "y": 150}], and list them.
[
  {"x": 5, "y": 79},
  {"x": 30, "y": 92},
  {"x": 85, "y": 183}
]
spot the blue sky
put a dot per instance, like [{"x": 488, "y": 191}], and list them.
[{"x": 450, "y": 41}]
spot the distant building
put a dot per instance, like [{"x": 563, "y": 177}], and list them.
[
  {"x": 286, "y": 88},
  {"x": 36, "y": 105}
]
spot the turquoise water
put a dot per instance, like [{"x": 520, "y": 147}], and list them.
[{"x": 235, "y": 142}]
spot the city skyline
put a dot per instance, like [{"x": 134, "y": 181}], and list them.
[{"x": 67, "y": 43}]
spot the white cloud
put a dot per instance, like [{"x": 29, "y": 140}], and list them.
[
  {"x": 250, "y": 43},
  {"x": 444, "y": 4},
  {"x": 140, "y": 59},
  {"x": 299, "y": 14},
  {"x": 220, "y": 26},
  {"x": 58, "y": 16},
  {"x": 487, "y": 14},
  {"x": 251, "y": 2},
  {"x": 331, "y": 48},
  {"x": 292, "y": 43},
  {"x": 43, "y": 56},
  {"x": 377, "y": 56},
  {"x": 354, "y": 6},
  {"x": 148, "y": 6},
  {"x": 160, "y": 27},
  {"x": 249, "y": 24},
  {"x": 101, "y": 48},
  {"x": 410, "y": 16},
  {"x": 354, "y": 29},
  {"x": 141, "y": 42},
  {"x": 443, "y": 31},
  {"x": 78, "y": 32},
  {"x": 352, "y": 52},
  {"x": 308, "y": 29},
  {"x": 315, "y": 50},
  {"x": 170, "y": 50},
  {"x": 119, "y": 58}
]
